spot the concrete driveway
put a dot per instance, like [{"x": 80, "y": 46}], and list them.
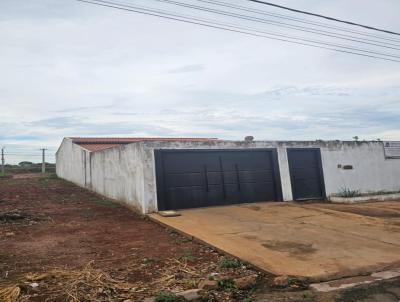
[{"x": 318, "y": 241}]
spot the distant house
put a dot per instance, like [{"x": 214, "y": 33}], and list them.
[{"x": 151, "y": 174}]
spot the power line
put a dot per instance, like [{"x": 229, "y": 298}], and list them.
[
  {"x": 215, "y": 25},
  {"x": 291, "y": 18},
  {"x": 325, "y": 17},
  {"x": 24, "y": 155},
  {"x": 283, "y": 24}
]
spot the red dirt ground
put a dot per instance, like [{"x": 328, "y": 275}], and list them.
[{"x": 67, "y": 227}]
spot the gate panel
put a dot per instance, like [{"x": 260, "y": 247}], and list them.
[
  {"x": 306, "y": 174},
  {"x": 199, "y": 178}
]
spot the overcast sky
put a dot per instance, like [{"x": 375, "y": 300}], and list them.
[{"x": 69, "y": 68}]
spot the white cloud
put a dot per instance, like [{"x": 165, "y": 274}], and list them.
[{"x": 73, "y": 69}]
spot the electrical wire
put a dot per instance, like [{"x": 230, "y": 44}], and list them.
[
  {"x": 325, "y": 17},
  {"x": 284, "y": 25},
  {"x": 291, "y": 18},
  {"x": 12, "y": 154},
  {"x": 211, "y": 24}
]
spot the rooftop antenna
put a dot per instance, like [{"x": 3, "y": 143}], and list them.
[{"x": 249, "y": 139}]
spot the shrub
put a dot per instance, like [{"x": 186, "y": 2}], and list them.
[
  {"x": 226, "y": 285},
  {"x": 346, "y": 192},
  {"x": 229, "y": 263}
]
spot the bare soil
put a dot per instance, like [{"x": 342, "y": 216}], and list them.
[
  {"x": 59, "y": 242},
  {"x": 48, "y": 224}
]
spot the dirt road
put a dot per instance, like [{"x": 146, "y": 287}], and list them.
[
  {"x": 59, "y": 242},
  {"x": 49, "y": 224}
]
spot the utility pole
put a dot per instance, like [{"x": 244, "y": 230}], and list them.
[
  {"x": 2, "y": 161},
  {"x": 43, "y": 160}
]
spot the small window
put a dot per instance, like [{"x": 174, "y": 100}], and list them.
[{"x": 392, "y": 149}]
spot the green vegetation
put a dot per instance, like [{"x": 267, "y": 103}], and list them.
[
  {"x": 25, "y": 164},
  {"x": 28, "y": 167},
  {"x": 5, "y": 175},
  {"x": 106, "y": 202},
  {"x": 382, "y": 192},
  {"x": 48, "y": 178},
  {"x": 229, "y": 263},
  {"x": 250, "y": 296},
  {"x": 307, "y": 295},
  {"x": 52, "y": 175},
  {"x": 226, "y": 285},
  {"x": 188, "y": 256},
  {"x": 297, "y": 283},
  {"x": 346, "y": 192},
  {"x": 163, "y": 296},
  {"x": 181, "y": 240}
]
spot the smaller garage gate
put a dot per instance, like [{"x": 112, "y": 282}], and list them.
[
  {"x": 200, "y": 178},
  {"x": 306, "y": 174}
]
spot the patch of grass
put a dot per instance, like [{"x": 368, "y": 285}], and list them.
[
  {"x": 229, "y": 263},
  {"x": 181, "y": 240},
  {"x": 190, "y": 283},
  {"x": 163, "y": 296},
  {"x": 44, "y": 180},
  {"x": 250, "y": 296},
  {"x": 188, "y": 256},
  {"x": 226, "y": 285},
  {"x": 106, "y": 202},
  {"x": 307, "y": 295},
  {"x": 52, "y": 175},
  {"x": 346, "y": 192},
  {"x": 297, "y": 283}
]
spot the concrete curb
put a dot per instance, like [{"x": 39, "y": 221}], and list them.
[
  {"x": 355, "y": 281},
  {"x": 366, "y": 198}
]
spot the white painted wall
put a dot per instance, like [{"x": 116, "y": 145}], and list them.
[
  {"x": 127, "y": 173},
  {"x": 118, "y": 173},
  {"x": 371, "y": 170},
  {"x": 70, "y": 162}
]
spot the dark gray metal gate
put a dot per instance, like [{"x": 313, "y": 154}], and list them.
[
  {"x": 306, "y": 173},
  {"x": 200, "y": 178}
]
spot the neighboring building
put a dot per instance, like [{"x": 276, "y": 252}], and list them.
[{"x": 151, "y": 174}]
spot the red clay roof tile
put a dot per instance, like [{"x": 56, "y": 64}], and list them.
[{"x": 100, "y": 143}]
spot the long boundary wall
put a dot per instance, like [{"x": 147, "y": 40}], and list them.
[
  {"x": 117, "y": 173},
  {"x": 127, "y": 173}
]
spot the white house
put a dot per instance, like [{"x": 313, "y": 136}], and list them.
[{"x": 151, "y": 174}]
